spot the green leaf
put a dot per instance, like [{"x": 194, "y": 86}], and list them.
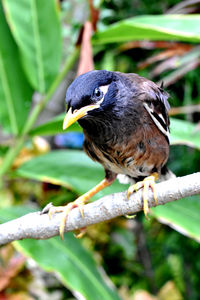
[
  {"x": 37, "y": 31},
  {"x": 160, "y": 27},
  {"x": 72, "y": 169},
  {"x": 15, "y": 91},
  {"x": 73, "y": 264},
  {"x": 182, "y": 215},
  {"x": 183, "y": 133},
  {"x": 12, "y": 212},
  {"x": 54, "y": 126}
]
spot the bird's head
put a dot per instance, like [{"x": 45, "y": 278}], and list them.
[{"x": 88, "y": 95}]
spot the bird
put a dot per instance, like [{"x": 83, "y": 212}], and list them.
[{"x": 126, "y": 129}]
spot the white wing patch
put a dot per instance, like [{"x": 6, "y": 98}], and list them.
[{"x": 165, "y": 130}]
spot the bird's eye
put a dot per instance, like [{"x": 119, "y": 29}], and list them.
[{"x": 98, "y": 94}]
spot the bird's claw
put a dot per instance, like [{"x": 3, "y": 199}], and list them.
[
  {"x": 134, "y": 188},
  {"x": 81, "y": 233},
  {"x": 66, "y": 210},
  {"x": 148, "y": 182}
]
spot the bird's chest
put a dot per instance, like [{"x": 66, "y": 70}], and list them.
[
  {"x": 124, "y": 160},
  {"x": 120, "y": 158},
  {"x": 121, "y": 165},
  {"x": 127, "y": 150}
]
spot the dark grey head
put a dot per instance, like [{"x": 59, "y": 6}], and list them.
[
  {"x": 91, "y": 94},
  {"x": 109, "y": 95},
  {"x": 91, "y": 88}
]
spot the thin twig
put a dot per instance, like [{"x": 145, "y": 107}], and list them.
[{"x": 39, "y": 226}]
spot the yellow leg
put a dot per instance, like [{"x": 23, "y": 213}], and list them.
[
  {"x": 77, "y": 203},
  {"x": 148, "y": 182}
]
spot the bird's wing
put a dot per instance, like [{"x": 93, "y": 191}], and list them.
[{"x": 155, "y": 100}]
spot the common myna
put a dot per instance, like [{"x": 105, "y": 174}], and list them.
[{"x": 126, "y": 127}]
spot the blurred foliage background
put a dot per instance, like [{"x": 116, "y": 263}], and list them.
[{"x": 43, "y": 45}]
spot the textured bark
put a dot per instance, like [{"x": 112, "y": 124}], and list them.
[{"x": 39, "y": 226}]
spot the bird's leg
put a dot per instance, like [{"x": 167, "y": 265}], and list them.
[
  {"x": 148, "y": 182},
  {"x": 79, "y": 202}
]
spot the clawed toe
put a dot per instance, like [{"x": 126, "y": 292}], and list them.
[
  {"x": 66, "y": 210},
  {"x": 148, "y": 182},
  {"x": 81, "y": 233},
  {"x": 80, "y": 202}
]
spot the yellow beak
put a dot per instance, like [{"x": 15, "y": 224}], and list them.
[{"x": 71, "y": 118}]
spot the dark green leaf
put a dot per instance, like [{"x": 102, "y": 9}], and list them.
[
  {"x": 37, "y": 31},
  {"x": 15, "y": 91},
  {"x": 74, "y": 265},
  {"x": 182, "y": 215}
]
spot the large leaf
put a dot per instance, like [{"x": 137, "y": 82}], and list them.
[
  {"x": 36, "y": 28},
  {"x": 69, "y": 259},
  {"x": 182, "y": 215},
  {"x": 164, "y": 27},
  {"x": 15, "y": 91},
  {"x": 54, "y": 126},
  {"x": 72, "y": 169},
  {"x": 183, "y": 132}
]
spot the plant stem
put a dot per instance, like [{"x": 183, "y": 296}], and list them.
[{"x": 13, "y": 152}]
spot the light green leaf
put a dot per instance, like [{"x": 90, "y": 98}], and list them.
[
  {"x": 54, "y": 126},
  {"x": 15, "y": 91},
  {"x": 13, "y": 212},
  {"x": 158, "y": 27},
  {"x": 182, "y": 215},
  {"x": 73, "y": 169},
  {"x": 36, "y": 28},
  {"x": 73, "y": 264},
  {"x": 183, "y": 133}
]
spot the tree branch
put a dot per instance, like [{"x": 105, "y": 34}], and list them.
[{"x": 39, "y": 226}]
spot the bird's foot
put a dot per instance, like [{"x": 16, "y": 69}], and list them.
[
  {"x": 148, "y": 182},
  {"x": 80, "y": 202},
  {"x": 66, "y": 210}
]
